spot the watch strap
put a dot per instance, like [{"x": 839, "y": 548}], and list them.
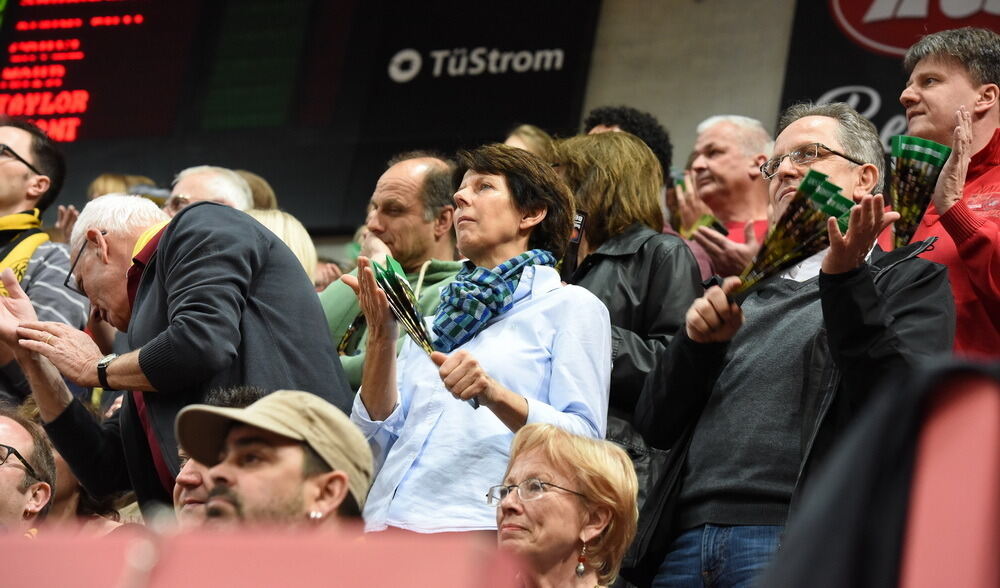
[{"x": 102, "y": 370}]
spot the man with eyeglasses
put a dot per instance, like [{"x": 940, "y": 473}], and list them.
[
  {"x": 954, "y": 76},
  {"x": 289, "y": 458},
  {"x": 750, "y": 397},
  {"x": 27, "y": 473},
  {"x": 209, "y": 298},
  {"x": 31, "y": 175}
]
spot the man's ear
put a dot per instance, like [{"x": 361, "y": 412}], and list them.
[
  {"x": 531, "y": 219},
  {"x": 755, "y": 163},
  {"x": 38, "y": 185},
  {"x": 100, "y": 241},
  {"x": 987, "y": 99},
  {"x": 330, "y": 489},
  {"x": 867, "y": 178},
  {"x": 39, "y": 495},
  {"x": 444, "y": 221}
]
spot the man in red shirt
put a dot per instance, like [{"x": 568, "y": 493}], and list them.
[
  {"x": 953, "y": 97},
  {"x": 725, "y": 174}
]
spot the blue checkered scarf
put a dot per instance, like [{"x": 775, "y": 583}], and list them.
[{"x": 479, "y": 294}]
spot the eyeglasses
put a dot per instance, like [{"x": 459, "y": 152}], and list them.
[
  {"x": 176, "y": 202},
  {"x": 7, "y": 451},
  {"x": 69, "y": 282},
  {"x": 802, "y": 156},
  {"x": 530, "y": 489},
  {"x": 7, "y": 150}
]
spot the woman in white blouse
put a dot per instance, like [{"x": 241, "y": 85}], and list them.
[{"x": 509, "y": 334}]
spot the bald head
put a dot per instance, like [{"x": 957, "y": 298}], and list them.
[{"x": 411, "y": 210}]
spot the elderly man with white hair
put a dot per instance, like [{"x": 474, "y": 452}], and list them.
[
  {"x": 208, "y": 183},
  {"x": 209, "y": 299}
]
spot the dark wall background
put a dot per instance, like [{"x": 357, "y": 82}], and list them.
[{"x": 299, "y": 91}]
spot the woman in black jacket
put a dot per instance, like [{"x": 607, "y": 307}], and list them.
[{"x": 647, "y": 279}]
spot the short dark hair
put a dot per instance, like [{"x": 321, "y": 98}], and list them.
[
  {"x": 639, "y": 123},
  {"x": 88, "y": 505},
  {"x": 47, "y": 158},
  {"x": 437, "y": 192},
  {"x": 978, "y": 50},
  {"x": 312, "y": 465},
  {"x": 240, "y": 396},
  {"x": 40, "y": 457},
  {"x": 533, "y": 185}
]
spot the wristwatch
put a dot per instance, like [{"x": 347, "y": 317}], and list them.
[{"x": 102, "y": 369}]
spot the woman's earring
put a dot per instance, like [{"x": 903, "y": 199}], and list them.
[{"x": 580, "y": 568}]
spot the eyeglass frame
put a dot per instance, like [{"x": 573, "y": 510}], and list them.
[
  {"x": 4, "y": 148},
  {"x": 27, "y": 466},
  {"x": 489, "y": 492},
  {"x": 69, "y": 274},
  {"x": 778, "y": 160}
]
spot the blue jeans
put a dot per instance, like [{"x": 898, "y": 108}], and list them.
[{"x": 718, "y": 557}]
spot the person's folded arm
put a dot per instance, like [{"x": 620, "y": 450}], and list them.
[{"x": 206, "y": 262}]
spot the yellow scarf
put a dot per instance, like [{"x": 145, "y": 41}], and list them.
[{"x": 17, "y": 259}]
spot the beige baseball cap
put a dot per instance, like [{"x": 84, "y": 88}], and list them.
[{"x": 202, "y": 430}]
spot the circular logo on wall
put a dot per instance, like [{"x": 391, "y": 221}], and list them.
[
  {"x": 889, "y": 27},
  {"x": 405, "y": 65}
]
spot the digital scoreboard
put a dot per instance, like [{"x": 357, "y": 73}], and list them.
[{"x": 87, "y": 69}]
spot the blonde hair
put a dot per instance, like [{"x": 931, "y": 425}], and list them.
[
  {"x": 603, "y": 473},
  {"x": 262, "y": 193},
  {"x": 115, "y": 183},
  {"x": 616, "y": 179},
  {"x": 292, "y": 233},
  {"x": 536, "y": 140}
]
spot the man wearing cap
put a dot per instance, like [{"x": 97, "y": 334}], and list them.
[{"x": 289, "y": 458}]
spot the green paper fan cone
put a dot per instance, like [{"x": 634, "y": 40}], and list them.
[
  {"x": 799, "y": 234},
  {"x": 916, "y": 164},
  {"x": 402, "y": 302}
]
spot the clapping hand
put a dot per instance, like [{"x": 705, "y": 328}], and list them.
[
  {"x": 15, "y": 308},
  {"x": 868, "y": 219},
  {"x": 951, "y": 182},
  {"x": 729, "y": 258},
  {"x": 690, "y": 206},
  {"x": 374, "y": 304}
]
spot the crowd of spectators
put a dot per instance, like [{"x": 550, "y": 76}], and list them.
[{"x": 583, "y": 397}]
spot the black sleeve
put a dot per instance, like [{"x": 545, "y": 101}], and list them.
[
  {"x": 13, "y": 384},
  {"x": 93, "y": 451},
  {"x": 676, "y": 390},
  {"x": 874, "y": 329},
  {"x": 209, "y": 273},
  {"x": 673, "y": 286}
]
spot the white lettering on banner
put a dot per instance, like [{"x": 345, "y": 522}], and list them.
[
  {"x": 852, "y": 95},
  {"x": 462, "y": 61},
  {"x": 866, "y": 101},
  {"x": 405, "y": 65},
  {"x": 882, "y": 10}
]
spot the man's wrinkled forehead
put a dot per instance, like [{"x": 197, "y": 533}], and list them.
[{"x": 808, "y": 130}]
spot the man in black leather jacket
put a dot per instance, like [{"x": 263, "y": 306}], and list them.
[{"x": 746, "y": 409}]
